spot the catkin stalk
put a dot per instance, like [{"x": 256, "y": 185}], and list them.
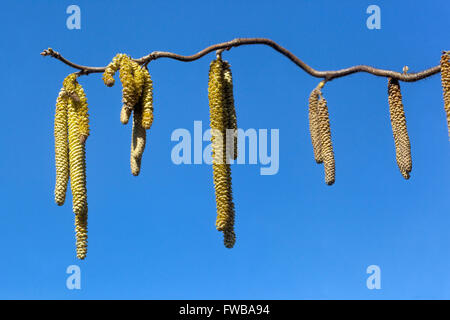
[
  {"x": 326, "y": 144},
  {"x": 219, "y": 118},
  {"x": 445, "y": 79},
  {"x": 399, "y": 129}
]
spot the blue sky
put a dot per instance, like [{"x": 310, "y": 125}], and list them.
[{"x": 153, "y": 237}]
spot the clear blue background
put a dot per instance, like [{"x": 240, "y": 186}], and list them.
[{"x": 154, "y": 236}]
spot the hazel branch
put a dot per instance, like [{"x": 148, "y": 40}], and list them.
[{"x": 326, "y": 75}]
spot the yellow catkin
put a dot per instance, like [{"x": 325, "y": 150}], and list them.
[
  {"x": 445, "y": 78},
  {"x": 138, "y": 139},
  {"x": 61, "y": 149},
  {"x": 232, "y": 141},
  {"x": 326, "y": 144},
  {"x": 77, "y": 161},
  {"x": 147, "y": 100},
  {"x": 82, "y": 110},
  {"x": 129, "y": 96},
  {"x": 221, "y": 169},
  {"x": 111, "y": 69},
  {"x": 139, "y": 79},
  {"x": 314, "y": 128},
  {"x": 125, "y": 114},
  {"x": 400, "y": 132}
]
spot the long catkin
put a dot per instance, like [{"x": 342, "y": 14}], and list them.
[
  {"x": 231, "y": 133},
  {"x": 314, "y": 128},
  {"x": 77, "y": 160},
  {"x": 326, "y": 143},
  {"x": 399, "y": 129},
  {"x": 445, "y": 79},
  {"x": 77, "y": 124},
  {"x": 61, "y": 149},
  {"x": 221, "y": 169}
]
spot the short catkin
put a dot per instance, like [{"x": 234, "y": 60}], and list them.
[
  {"x": 326, "y": 143},
  {"x": 147, "y": 100},
  {"x": 129, "y": 90},
  {"x": 399, "y": 129},
  {"x": 219, "y": 119},
  {"x": 61, "y": 149},
  {"x": 445, "y": 79},
  {"x": 111, "y": 69},
  {"x": 314, "y": 128}
]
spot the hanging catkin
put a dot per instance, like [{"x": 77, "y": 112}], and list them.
[
  {"x": 129, "y": 89},
  {"x": 400, "y": 132},
  {"x": 71, "y": 131},
  {"x": 77, "y": 160},
  {"x": 61, "y": 149},
  {"x": 147, "y": 100},
  {"x": 314, "y": 128},
  {"x": 445, "y": 78},
  {"x": 111, "y": 69},
  {"x": 231, "y": 134},
  {"x": 221, "y": 169},
  {"x": 325, "y": 139},
  {"x": 138, "y": 139}
]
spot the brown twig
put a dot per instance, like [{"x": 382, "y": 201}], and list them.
[{"x": 327, "y": 75}]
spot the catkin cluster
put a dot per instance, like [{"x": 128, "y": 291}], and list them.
[
  {"x": 319, "y": 128},
  {"x": 137, "y": 98},
  {"x": 222, "y": 117},
  {"x": 71, "y": 132},
  {"x": 399, "y": 130},
  {"x": 445, "y": 78}
]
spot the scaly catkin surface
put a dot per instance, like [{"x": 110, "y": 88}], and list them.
[
  {"x": 399, "y": 129},
  {"x": 77, "y": 160},
  {"x": 221, "y": 169},
  {"x": 82, "y": 110},
  {"x": 61, "y": 149},
  {"x": 326, "y": 143},
  {"x": 129, "y": 90},
  {"x": 445, "y": 78},
  {"x": 314, "y": 128},
  {"x": 147, "y": 101}
]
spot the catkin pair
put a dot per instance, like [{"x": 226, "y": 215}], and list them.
[
  {"x": 71, "y": 132},
  {"x": 320, "y": 131},
  {"x": 445, "y": 79},
  {"x": 137, "y": 98},
  {"x": 399, "y": 129},
  {"x": 222, "y": 117}
]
